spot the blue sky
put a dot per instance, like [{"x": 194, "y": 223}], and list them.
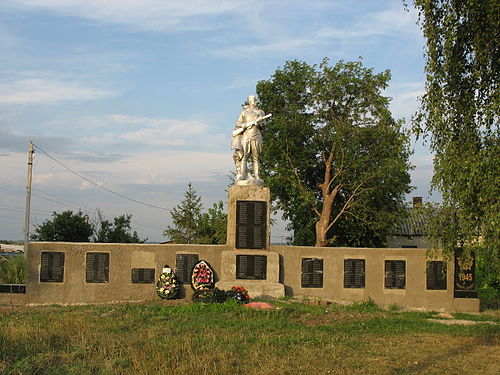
[{"x": 141, "y": 96}]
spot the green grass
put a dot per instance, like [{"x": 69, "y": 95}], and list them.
[
  {"x": 13, "y": 270},
  {"x": 294, "y": 338}
]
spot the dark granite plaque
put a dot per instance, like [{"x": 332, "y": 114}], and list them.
[
  {"x": 251, "y": 267},
  {"x": 312, "y": 273},
  {"x": 52, "y": 267},
  {"x": 436, "y": 275},
  {"x": 184, "y": 264},
  {"x": 13, "y": 288},
  {"x": 251, "y": 227},
  {"x": 395, "y": 275},
  {"x": 354, "y": 273},
  {"x": 465, "y": 276},
  {"x": 97, "y": 268}
]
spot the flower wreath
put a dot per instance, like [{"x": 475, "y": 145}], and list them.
[
  {"x": 202, "y": 276},
  {"x": 167, "y": 286}
]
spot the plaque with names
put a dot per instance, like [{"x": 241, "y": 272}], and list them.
[
  {"x": 251, "y": 225},
  {"x": 395, "y": 276},
  {"x": 436, "y": 275},
  {"x": 97, "y": 268},
  {"x": 184, "y": 264},
  {"x": 52, "y": 267},
  {"x": 251, "y": 267},
  {"x": 312, "y": 273},
  {"x": 354, "y": 273}
]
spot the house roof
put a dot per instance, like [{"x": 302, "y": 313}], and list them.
[{"x": 412, "y": 225}]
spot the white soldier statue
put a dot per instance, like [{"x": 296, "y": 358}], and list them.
[{"x": 246, "y": 141}]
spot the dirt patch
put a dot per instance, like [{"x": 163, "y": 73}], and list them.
[
  {"x": 444, "y": 316},
  {"x": 459, "y": 321},
  {"x": 335, "y": 317}
]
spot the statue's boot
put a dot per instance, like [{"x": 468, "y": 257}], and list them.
[
  {"x": 244, "y": 169},
  {"x": 256, "y": 168}
]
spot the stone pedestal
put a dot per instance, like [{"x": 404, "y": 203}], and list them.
[
  {"x": 243, "y": 204},
  {"x": 249, "y": 263},
  {"x": 269, "y": 287}
]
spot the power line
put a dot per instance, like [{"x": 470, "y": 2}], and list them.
[
  {"x": 20, "y": 209},
  {"x": 68, "y": 204},
  {"x": 53, "y": 200},
  {"x": 106, "y": 216},
  {"x": 139, "y": 223},
  {"x": 74, "y": 171}
]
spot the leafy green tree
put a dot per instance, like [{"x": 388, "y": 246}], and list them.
[
  {"x": 66, "y": 226},
  {"x": 335, "y": 159},
  {"x": 117, "y": 231},
  {"x": 193, "y": 226},
  {"x": 459, "y": 115},
  {"x": 212, "y": 226}
]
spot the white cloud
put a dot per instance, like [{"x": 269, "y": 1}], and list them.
[
  {"x": 101, "y": 139},
  {"x": 88, "y": 185},
  {"x": 141, "y": 14},
  {"x": 405, "y": 98},
  {"x": 259, "y": 19},
  {"x": 385, "y": 23},
  {"x": 55, "y": 179},
  {"x": 43, "y": 90},
  {"x": 282, "y": 45},
  {"x": 151, "y": 170},
  {"x": 421, "y": 176},
  {"x": 165, "y": 132},
  {"x": 143, "y": 168},
  {"x": 167, "y": 167},
  {"x": 152, "y": 131}
]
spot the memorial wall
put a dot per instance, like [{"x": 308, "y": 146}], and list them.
[{"x": 102, "y": 273}]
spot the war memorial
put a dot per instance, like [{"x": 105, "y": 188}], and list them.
[{"x": 87, "y": 273}]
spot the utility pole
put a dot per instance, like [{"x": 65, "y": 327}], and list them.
[{"x": 28, "y": 200}]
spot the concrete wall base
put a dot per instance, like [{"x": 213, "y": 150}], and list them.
[
  {"x": 12, "y": 299},
  {"x": 471, "y": 305},
  {"x": 256, "y": 288}
]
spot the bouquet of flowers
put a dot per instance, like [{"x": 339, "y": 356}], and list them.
[
  {"x": 239, "y": 293},
  {"x": 167, "y": 286},
  {"x": 202, "y": 276}
]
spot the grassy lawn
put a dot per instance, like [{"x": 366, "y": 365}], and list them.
[{"x": 169, "y": 338}]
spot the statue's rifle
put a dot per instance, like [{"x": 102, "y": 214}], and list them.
[{"x": 248, "y": 125}]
